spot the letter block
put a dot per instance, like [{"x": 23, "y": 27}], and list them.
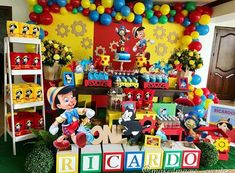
[
  {"x": 172, "y": 156},
  {"x": 153, "y": 158},
  {"x": 134, "y": 158},
  {"x": 113, "y": 157},
  {"x": 67, "y": 161},
  {"x": 191, "y": 155},
  {"x": 91, "y": 158}
]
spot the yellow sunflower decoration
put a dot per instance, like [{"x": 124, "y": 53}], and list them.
[{"x": 222, "y": 144}]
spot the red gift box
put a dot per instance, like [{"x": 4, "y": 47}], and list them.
[
  {"x": 129, "y": 94},
  {"x": 16, "y": 60},
  {"x": 26, "y": 61},
  {"x": 35, "y": 61},
  {"x": 138, "y": 97},
  {"x": 38, "y": 122},
  {"x": 19, "y": 125}
]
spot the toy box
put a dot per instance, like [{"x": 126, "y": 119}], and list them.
[
  {"x": 37, "y": 92},
  {"x": 24, "y": 29},
  {"x": 26, "y": 61},
  {"x": 17, "y": 93},
  {"x": 35, "y": 61},
  {"x": 34, "y": 31},
  {"x": 28, "y": 120},
  {"x": 28, "y": 95},
  {"x": 12, "y": 28},
  {"x": 19, "y": 124},
  {"x": 16, "y": 60}
]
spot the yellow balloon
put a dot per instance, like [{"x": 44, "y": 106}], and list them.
[
  {"x": 190, "y": 96},
  {"x": 85, "y": 3},
  {"x": 118, "y": 16},
  {"x": 186, "y": 40},
  {"x": 185, "y": 13},
  {"x": 30, "y": 48},
  {"x": 165, "y": 9},
  {"x": 191, "y": 88},
  {"x": 156, "y": 7},
  {"x": 205, "y": 19},
  {"x": 63, "y": 10},
  {"x": 92, "y": 7},
  {"x": 199, "y": 92},
  {"x": 32, "y": 2},
  {"x": 107, "y": 3},
  {"x": 100, "y": 9},
  {"x": 208, "y": 102},
  {"x": 130, "y": 17},
  {"x": 195, "y": 35},
  {"x": 139, "y": 8}
]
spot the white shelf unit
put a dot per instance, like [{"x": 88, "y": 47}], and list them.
[{"x": 8, "y": 75}]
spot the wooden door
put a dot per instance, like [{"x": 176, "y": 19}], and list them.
[{"x": 221, "y": 79}]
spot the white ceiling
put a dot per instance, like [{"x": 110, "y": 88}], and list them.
[{"x": 199, "y": 2}]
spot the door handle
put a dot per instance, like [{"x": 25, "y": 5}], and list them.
[
  {"x": 217, "y": 74},
  {"x": 229, "y": 75}
]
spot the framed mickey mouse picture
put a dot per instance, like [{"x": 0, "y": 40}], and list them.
[
  {"x": 152, "y": 141},
  {"x": 68, "y": 78},
  {"x": 130, "y": 104},
  {"x": 183, "y": 83}
]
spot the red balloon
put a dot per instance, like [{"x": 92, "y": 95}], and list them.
[
  {"x": 108, "y": 10},
  {"x": 97, "y": 3},
  {"x": 179, "y": 18},
  {"x": 33, "y": 16},
  {"x": 69, "y": 7},
  {"x": 189, "y": 29},
  {"x": 168, "y": 15},
  {"x": 131, "y": 5},
  {"x": 46, "y": 33},
  {"x": 42, "y": 2},
  {"x": 200, "y": 9},
  {"x": 206, "y": 91},
  {"x": 143, "y": 15},
  {"x": 158, "y": 13},
  {"x": 197, "y": 100},
  {"x": 45, "y": 18},
  {"x": 195, "y": 16},
  {"x": 195, "y": 45},
  {"x": 216, "y": 100},
  {"x": 55, "y": 8},
  {"x": 46, "y": 9},
  {"x": 75, "y": 3},
  {"x": 85, "y": 12},
  {"x": 187, "y": 32},
  {"x": 178, "y": 7},
  {"x": 207, "y": 10}
]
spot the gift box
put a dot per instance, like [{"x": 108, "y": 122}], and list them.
[
  {"x": 28, "y": 120},
  {"x": 129, "y": 94},
  {"x": 34, "y": 31},
  {"x": 24, "y": 29},
  {"x": 35, "y": 61},
  {"x": 12, "y": 28},
  {"x": 26, "y": 61},
  {"x": 19, "y": 124},
  {"x": 28, "y": 92},
  {"x": 37, "y": 91},
  {"x": 17, "y": 93},
  {"x": 138, "y": 97},
  {"x": 38, "y": 122},
  {"x": 16, "y": 60}
]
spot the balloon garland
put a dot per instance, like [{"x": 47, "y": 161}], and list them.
[{"x": 194, "y": 19}]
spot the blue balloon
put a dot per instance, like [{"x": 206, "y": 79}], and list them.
[
  {"x": 211, "y": 96},
  {"x": 94, "y": 16},
  {"x": 118, "y": 4},
  {"x": 196, "y": 79},
  {"x": 203, "y": 97},
  {"x": 138, "y": 19},
  {"x": 49, "y": 3},
  {"x": 148, "y": 4},
  {"x": 171, "y": 19},
  {"x": 199, "y": 111},
  {"x": 105, "y": 19},
  {"x": 125, "y": 11},
  {"x": 153, "y": 20},
  {"x": 92, "y": 1},
  {"x": 113, "y": 14},
  {"x": 42, "y": 34},
  {"x": 30, "y": 22},
  {"x": 202, "y": 29},
  {"x": 61, "y": 3},
  {"x": 80, "y": 9},
  {"x": 186, "y": 22}
]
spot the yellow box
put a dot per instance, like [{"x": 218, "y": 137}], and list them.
[
  {"x": 67, "y": 161},
  {"x": 24, "y": 29},
  {"x": 37, "y": 91},
  {"x": 78, "y": 78},
  {"x": 17, "y": 93},
  {"x": 28, "y": 92},
  {"x": 172, "y": 82},
  {"x": 34, "y": 31},
  {"x": 153, "y": 157},
  {"x": 13, "y": 28}
]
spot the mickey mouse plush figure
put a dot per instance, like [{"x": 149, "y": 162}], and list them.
[
  {"x": 35, "y": 30},
  {"x": 17, "y": 60},
  {"x": 35, "y": 61},
  {"x": 25, "y": 60},
  {"x": 25, "y": 29},
  {"x": 18, "y": 94},
  {"x": 12, "y": 28},
  {"x": 28, "y": 93},
  {"x": 132, "y": 128}
]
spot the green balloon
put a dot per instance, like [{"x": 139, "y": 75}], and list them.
[
  {"x": 172, "y": 12},
  {"x": 190, "y": 6},
  {"x": 37, "y": 9},
  {"x": 163, "y": 19},
  {"x": 75, "y": 11},
  {"x": 149, "y": 14}
]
